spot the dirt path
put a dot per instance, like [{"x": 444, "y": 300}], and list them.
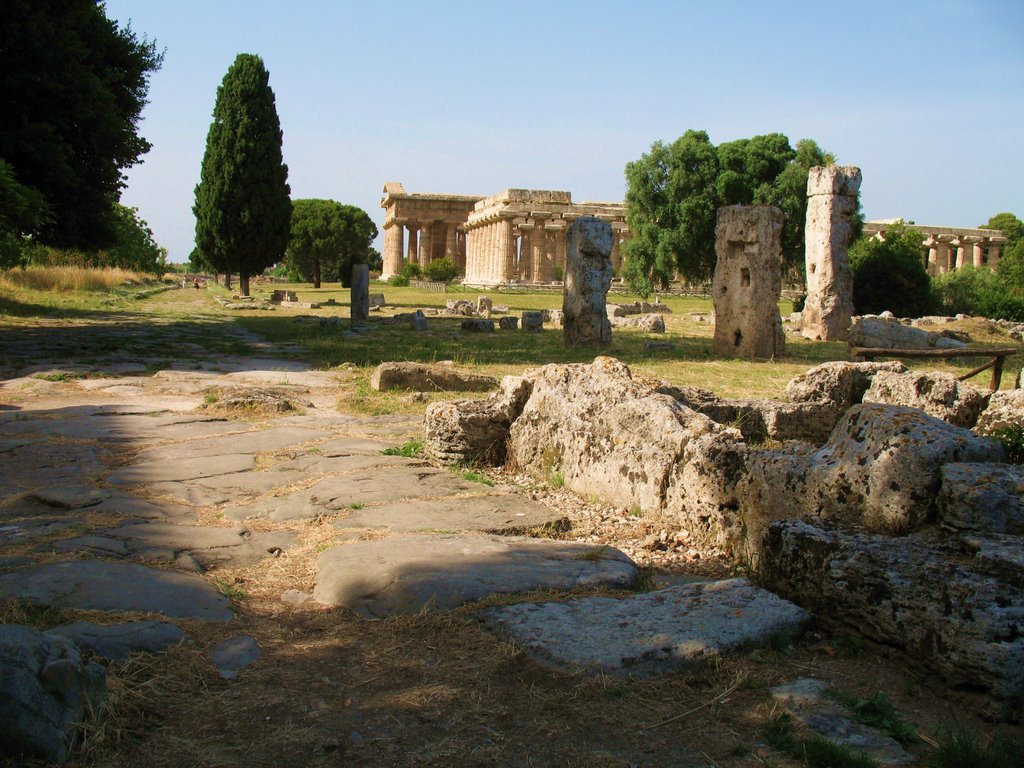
[{"x": 169, "y": 439}]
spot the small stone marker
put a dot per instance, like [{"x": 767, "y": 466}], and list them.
[
  {"x": 588, "y": 276},
  {"x": 483, "y": 306},
  {"x": 508, "y": 323},
  {"x": 360, "y": 292},
  {"x": 377, "y": 301},
  {"x": 533, "y": 321},
  {"x": 418, "y": 321},
  {"x": 748, "y": 282},
  {"x": 234, "y": 654},
  {"x": 478, "y": 325}
]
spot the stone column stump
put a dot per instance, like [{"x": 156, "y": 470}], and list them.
[
  {"x": 748, "y": 282},
  {"x": 360, "y": 302},
  {"x": 588, "y": 276},
  {"x": 831, "y": 204}
]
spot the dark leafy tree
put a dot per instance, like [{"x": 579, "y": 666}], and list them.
[
  {"x": 674, "y": 191},
  {"x": 242, "y": 208},
  {"x": 890, "y": 274},
  {"x": 72, "y": 90},
  {"x": 1011, "y": 227},
  {"x": 134, "y": 246},
  {"x": 672, "y": 199},
  {"x": 23, "y": 210},
  {"x": 327, "y": 239}
]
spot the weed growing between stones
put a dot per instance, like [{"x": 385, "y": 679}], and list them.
[
  {"x": 472, "y": 476},
  {"x": 813, "y": 751},
  {"x": 876, "y": 712},
  {"x": 411, "y": 449},
  {"x": 960, "y": 748},
  {"x": 1012, "y": 438}
]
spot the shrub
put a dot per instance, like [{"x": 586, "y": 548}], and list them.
[
  {"x": 411, "y": 271},
  {"x": 399, "y": 281},
  {"x": 980, "y": 292},
  {"x": 890, "y": 275},
  {"x": 442, "y": 270}
]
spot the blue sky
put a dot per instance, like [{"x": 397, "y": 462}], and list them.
[{"x": 475, "y": 97}]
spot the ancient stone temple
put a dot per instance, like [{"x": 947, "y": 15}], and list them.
[
  {"x": 748, "y": 282},
  {"x": 945, "y": 249},
  {"x": 421, "y": 228},
  {"x": 831, "y": 204},
  {"x": 515, "y": 236}
]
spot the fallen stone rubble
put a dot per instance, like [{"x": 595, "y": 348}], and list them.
[{"x": 866, "y": 497}]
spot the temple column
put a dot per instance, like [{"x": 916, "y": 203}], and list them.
[
  {"x": 560, "y": 246},
  {"x": 505, "y": 250},
  {"x": 547, "y": 264},
  {"x": 392, "y": 251},
  {"x": 994, "y": 253},
  {"x": 979, "y": 254},
  {"x": 426, "y": 244},
  {"x": 931, "y": 265},
  {"x": 943, "y": 255},
  {"x": 963, "y": 253},
  {"x": 412, "y": 248},
  {"x": 459, "y": 254},
  {"x": 450, "y": 247},
  {"x": 489, "y": 266}
]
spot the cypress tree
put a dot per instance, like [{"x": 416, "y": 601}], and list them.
[{"x": 242, "y": 208}]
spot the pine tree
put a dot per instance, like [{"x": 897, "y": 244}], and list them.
[{"x": 242, "y": 208}]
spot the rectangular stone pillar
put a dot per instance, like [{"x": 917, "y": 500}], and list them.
[
  {"x": 359, "y": 306},
  {"x": 392, "y": 256},
  {"x": 748, "y": 282},
  {"x": 831, "y": 204},
  {"x": 588, "y": 276},
  {"x": 538, "y": 248}
]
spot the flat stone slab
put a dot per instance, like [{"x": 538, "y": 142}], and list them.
[
  {"x": 416, "y": 479},
  {"x": 252, "y": 441},
  {"x": 182, "y": 469},
  {"x": 493, "y": 513},
  {"x": 119, "y": 641},
  {"x": 101, "y": 585},
  {"x": 311, "y": 379},
  {"x": 651, "y": 632},
  {"x": 808, "y": 702},
  {"x": 408, "y": 573},
  {"x": 167, "y": 541}
]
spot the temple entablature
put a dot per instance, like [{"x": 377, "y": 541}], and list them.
[{"x": 945, "y": 249}]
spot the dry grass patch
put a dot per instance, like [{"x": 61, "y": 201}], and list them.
[{"x": 67, "y": 278}]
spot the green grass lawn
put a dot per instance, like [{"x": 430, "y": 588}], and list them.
[{"x": 691, "y": 361}]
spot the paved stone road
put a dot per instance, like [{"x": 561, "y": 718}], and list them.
[{"x": 119, "y": 491}]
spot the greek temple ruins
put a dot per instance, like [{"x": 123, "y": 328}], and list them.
[
  {"x": 950, "y": 248},
  {"x": 515, "y": 236}
]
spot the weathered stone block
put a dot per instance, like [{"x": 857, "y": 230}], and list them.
[
  {"x": 588, "y": 276},
  {"x": 421, "y": 377},
  {"x": 533, "y": 321},
  {"x": 508, "y": 323},
  {"x": 838, "y": 383},
  {"x": 987, "y": 498},
  {"x": 934, "y": 392},
  {"x": 915, "y": 593},
  {"x": 748, "y": 282},
  {"x": 45, "y": 690},
  {"x": 831, "y": 204},
  {"x": 466, "y": 431}
]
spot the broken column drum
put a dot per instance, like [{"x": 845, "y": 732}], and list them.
[
  {"x": 831, "y": 204},
  {"x": 748, "y": 282},
  {"x": 588, "y": 276}
]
